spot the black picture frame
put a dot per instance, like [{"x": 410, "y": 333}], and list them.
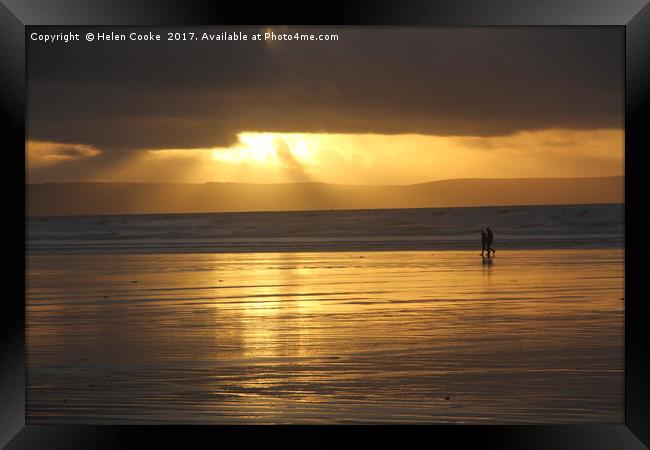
[{"x": 632, "y": 15}]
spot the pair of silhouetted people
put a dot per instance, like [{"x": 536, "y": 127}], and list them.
[{"x": 486, "y": 242}]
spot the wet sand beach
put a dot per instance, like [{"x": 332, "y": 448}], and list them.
[{"x": 326, "y": 337}]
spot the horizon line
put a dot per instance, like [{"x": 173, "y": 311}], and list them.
[
  {"x": 325, "y": 182},
  {"x": 539, "y": 205}
]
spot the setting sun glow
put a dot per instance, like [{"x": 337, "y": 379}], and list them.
[
  {"x": 267, "y": 148},
  {"x": 366, "y": 159}
]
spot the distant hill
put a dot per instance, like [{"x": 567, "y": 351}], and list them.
[{"x": 146, "y": 198}]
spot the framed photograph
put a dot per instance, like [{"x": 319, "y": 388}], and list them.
[{"x": 419, "y": 217}]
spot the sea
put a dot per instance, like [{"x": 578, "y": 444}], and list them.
[
  {"x": 514, "y": 227},
  {"x": 322, "y": 317}
]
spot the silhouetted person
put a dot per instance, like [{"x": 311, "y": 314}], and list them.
[
  {"x": 483, "y": 241},
  {"x": 488, "y": 244}
]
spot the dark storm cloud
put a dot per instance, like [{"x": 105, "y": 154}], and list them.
[{"x": 482, "y": 82}]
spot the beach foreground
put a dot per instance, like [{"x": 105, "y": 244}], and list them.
[{"x": 326, "y": 337}]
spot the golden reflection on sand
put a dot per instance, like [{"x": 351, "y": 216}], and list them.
[{"x": 536, "y": 336}]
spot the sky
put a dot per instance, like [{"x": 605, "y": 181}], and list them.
[{"x": 381, "y": 105}]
